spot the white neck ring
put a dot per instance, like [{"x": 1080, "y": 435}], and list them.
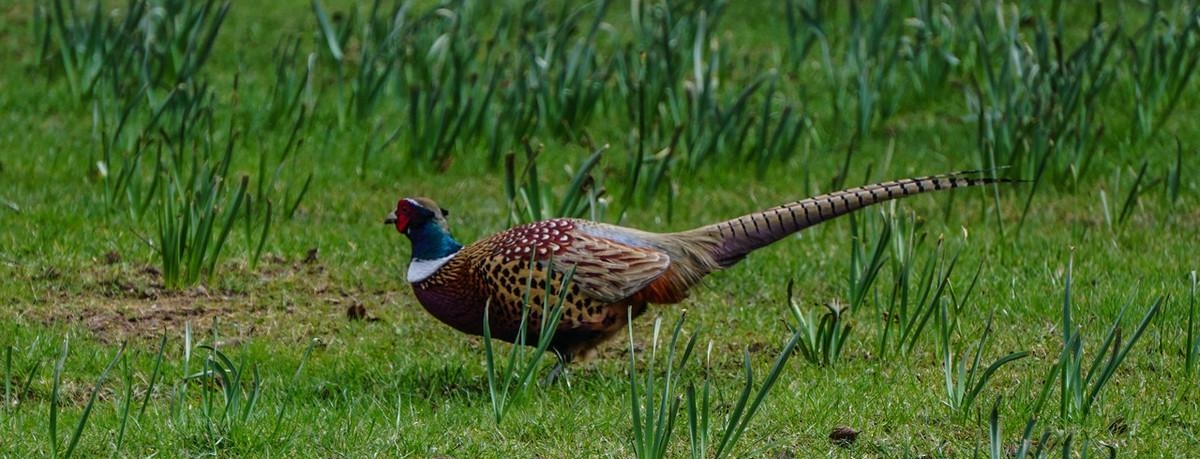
[{"x": 419, "y": 270}]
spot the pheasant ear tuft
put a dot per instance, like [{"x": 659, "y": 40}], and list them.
[{"x": 445, "y": 212}]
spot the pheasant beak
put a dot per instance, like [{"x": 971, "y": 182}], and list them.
[{"x": 390, "y": 219}]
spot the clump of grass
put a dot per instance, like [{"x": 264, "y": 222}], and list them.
[
  {"x": 187, "y": 224},
  {"x": 688, "y": 119},
  {"x": 822, "y": 337},
  {"x": 79, "y": 42},
  {"x": 16, "y": 387},
  {"x": 931, "y": 52},
  {"x": 239, "y": 390},
  {"x": 865, "y": 79},
  {"x": 877, "y": 58},
  {"x": 1163, "y": 56},
  {"x": 916, "y": 295},
  {"x": 446, "y": 102},
  {"x": 147, "y": 45},
  {"x": 744, "y": 409},
  {"x": 778, "y": 142},
  {"x": 292, "y": 89},
  {"x": 530, "y": 200},
  {"x": 153, "y": 119},
  {"x": 178, "y": 170},
  {"x": 670, "y": 39},
  {"x": 1037, "y": 101},
  {"x": 378, "y": 40},
  {"x": 1079, "y": 388},
  {"x": 804, "y": 19},
  {"x": 223, "y": 405},
  {"x": 196, "y": 207},
  {"x": 963, "y": 385},
  {"x": 863, "y": 269},
  {"x": 644, "y": 84},
  {"x": 229, "y": 394},
  {"x": 655, "y": 402},
  {"x": 73, "y": 439},
  {"x": 1043, "y": 446},
  {"x": 271, "y": 188},
  {"x": 426, "y": 62},
  {"x": 567, "y": 94},
  {"x": 510, "y": 382}
]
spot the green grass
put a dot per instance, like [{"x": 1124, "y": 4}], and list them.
[{"x": 302, "y": 339}]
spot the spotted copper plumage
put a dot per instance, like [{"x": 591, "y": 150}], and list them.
[
  {"x": 615, "y": 270},
  {"x": 543, "y": 239}
]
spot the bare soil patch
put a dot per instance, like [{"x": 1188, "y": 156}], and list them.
[
  {"x": 112, "y": 320},
  {"x": 127, "y": 303}
]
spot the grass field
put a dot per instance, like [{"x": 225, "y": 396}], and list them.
[{"x": 192, "y": 260}]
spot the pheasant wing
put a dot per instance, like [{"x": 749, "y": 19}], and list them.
[{"x": 609, "y": 270}]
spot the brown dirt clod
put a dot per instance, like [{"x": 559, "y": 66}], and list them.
[{"x": 843, "y": 436}]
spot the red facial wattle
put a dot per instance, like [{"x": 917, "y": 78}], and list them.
[{"x": 400, "y": 217}]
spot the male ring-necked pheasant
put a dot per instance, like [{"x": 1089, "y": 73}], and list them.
[{"x": 615, "y": 269}]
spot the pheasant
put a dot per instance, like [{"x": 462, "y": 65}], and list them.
[{"x": 615, "y": 271}]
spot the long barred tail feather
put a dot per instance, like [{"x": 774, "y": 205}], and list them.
[{"x": 739, "y": 236}]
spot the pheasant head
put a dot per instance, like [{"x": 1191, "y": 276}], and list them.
[{"x": 425, "y": 225}]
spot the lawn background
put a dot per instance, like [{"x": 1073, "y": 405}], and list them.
[{"x": 349, "y": 363}]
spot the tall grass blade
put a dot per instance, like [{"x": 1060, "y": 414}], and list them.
[
  {"x": 158, "y": 360},
  {"x": 327, "y": 30},
  {"x": 1191, "y": 344},
  {"x": 1174, "y": 174},
  {"x": 579, "y": 184},
  {"x": 995, "y": 441},
  {"x": 292, "y": 386},
  {"x": 1134, "y": 191},
  {"x": 54, "y": 398},
  {"x": 87, "y": 408},
  {"x": 9, "y": 402},
  {"x": 231, "y": 214},
  {"x": 127, "y": 401}
]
